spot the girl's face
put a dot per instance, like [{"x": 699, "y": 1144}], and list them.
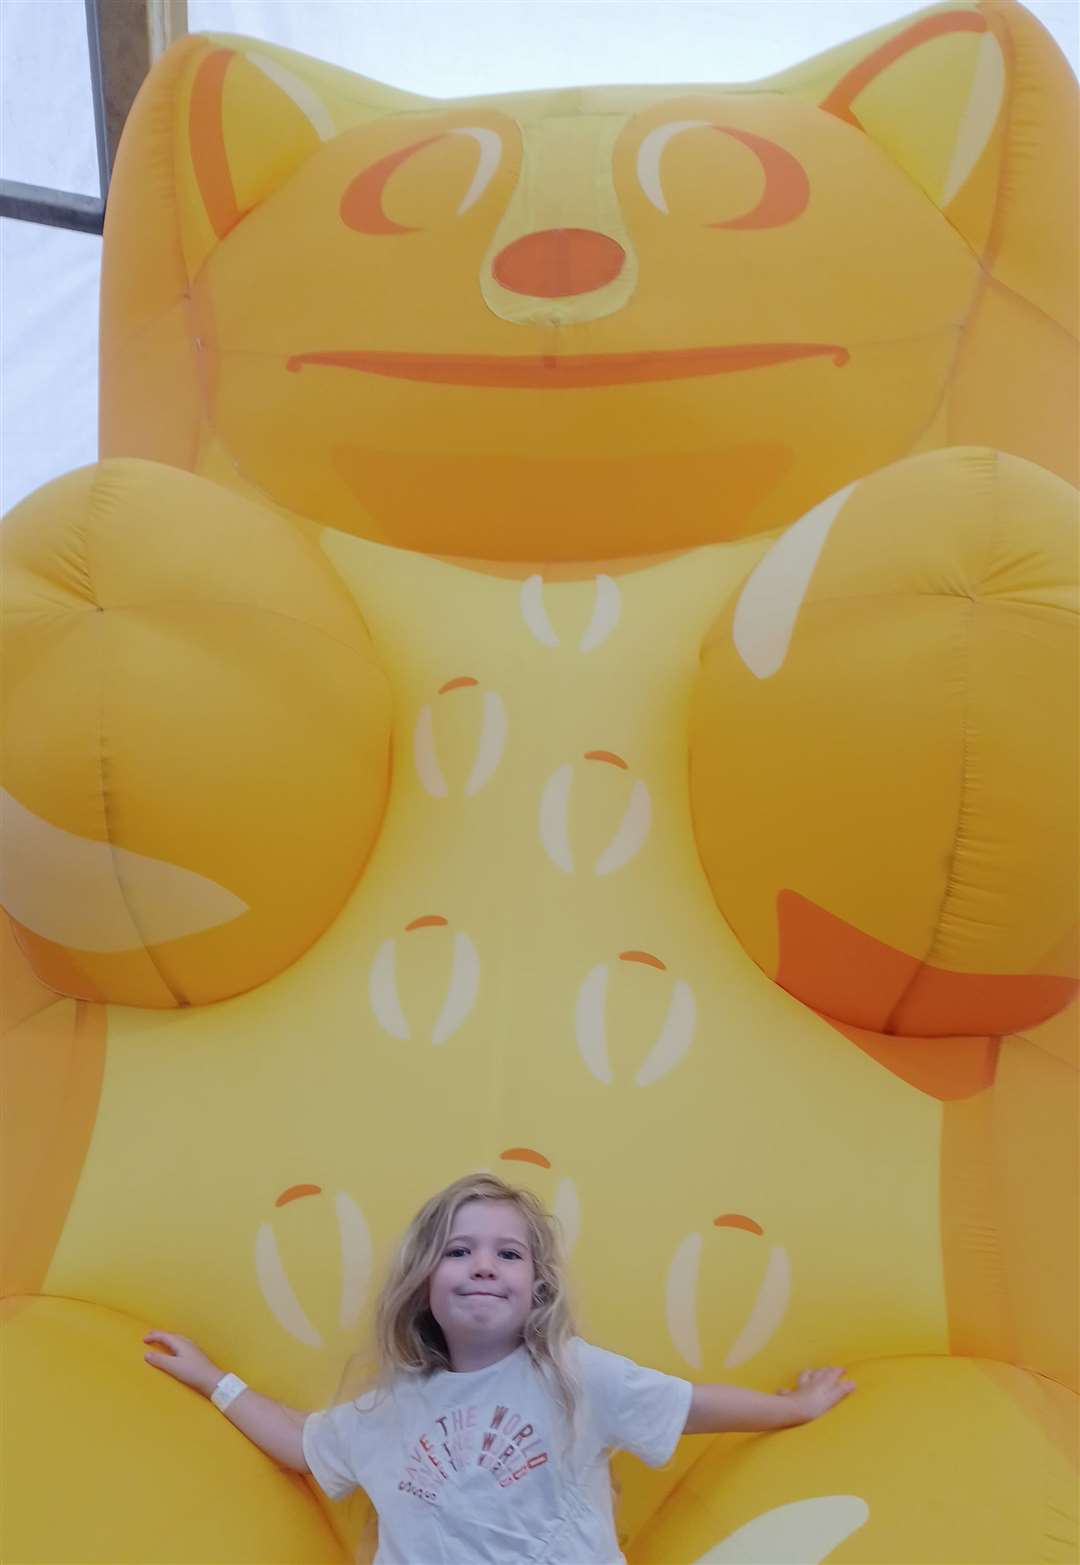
[{"x": 481, "y": 1290}]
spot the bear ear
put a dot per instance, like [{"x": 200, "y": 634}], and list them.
[
  {"x": 931, "y": 96},
  {"x": 217, "y": 127},
  {"x": 248, "y": 116},
  {"x": 246, "y": 123},
  {"x": 977, "y": 104}
]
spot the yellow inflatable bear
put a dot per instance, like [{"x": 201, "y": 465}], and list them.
[{"x": 567, "y": 664}]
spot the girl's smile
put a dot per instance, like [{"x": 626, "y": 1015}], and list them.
[{"x": 487, "y": 1260}]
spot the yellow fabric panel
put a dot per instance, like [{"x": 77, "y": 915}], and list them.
[
  {"x": 22, "y": 994},
  {"x": 1020, "y": 202},
  {"x": 1016, "y": 383},
  {"x": 193, "y": 226},
  {"x": 1010, "y": 1245},
  {"x": 161, "y": 372},
  {"x": 1035, "y": 1111},
  {"x": 348, "y": 99},
  {"x": 933, "y": 624},
  {"x": 183, "y": 624},
  {"x": 513, "y": 1071},
  {"x": 932, "y": 1427},
  {"x": 142, "y": 199},
  {"x": 1060, "y": 1036},
  {"x": 51, "y": 1066},
  {"x": 150, "y": 1469},
  {"x": 1035, "y": 246},
  {"x": 267, "y": 135},
  {"x": 914, "y": 110}
]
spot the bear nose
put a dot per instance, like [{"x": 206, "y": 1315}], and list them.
[{"x": 556, "y": 263}]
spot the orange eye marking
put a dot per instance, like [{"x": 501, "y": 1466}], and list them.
[
  {"x": 787, "y": 189},
  {"x": 524, "y": 1155},
  {"x": 361, "y": 205},
  {"x": 428, "y": 921},
  {"x": 606, "y": 755},
  {"x": 459, "y": 683},
  {"x": 737, "y": 1220},
  {"x": 294, "y": 1193},
  {"x": 643, "y": 956}
]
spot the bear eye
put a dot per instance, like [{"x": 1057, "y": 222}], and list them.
[
  {"x": 361, "y": 205},
  {"x": 787, "y": 188}
]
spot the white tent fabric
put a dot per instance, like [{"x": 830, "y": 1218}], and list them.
[
  {"x": 48, "y": 276},
  {"x": 48, "y": 291}
]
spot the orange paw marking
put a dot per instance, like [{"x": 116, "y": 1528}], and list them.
[
  {"x": 737, "y": 1220},
  {"x": 836, "y": 968},
  {"x": 525, "y": 1155},
  {"x": 294, "y": 1193}
]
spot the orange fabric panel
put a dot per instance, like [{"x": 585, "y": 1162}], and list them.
[
  {"x": 52, "y": 1066},
  {"x": 839, "y": 969}
]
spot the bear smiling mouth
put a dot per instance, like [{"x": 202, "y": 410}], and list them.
[{"x": 549, "y": 372}]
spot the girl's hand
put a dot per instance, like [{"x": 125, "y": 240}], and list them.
[
  {"x": 184, "y": 1360},
  {"x": 817, "y": 1390}
]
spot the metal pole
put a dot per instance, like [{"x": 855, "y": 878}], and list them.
[
  {"x": 56, "y": 208},
  {"x": 97, "y": 89}
]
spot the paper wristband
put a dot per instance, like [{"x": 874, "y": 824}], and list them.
[{"x": 226, "y": 1391}]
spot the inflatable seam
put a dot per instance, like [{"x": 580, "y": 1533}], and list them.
[
  {"x": 958, "y": 834},
  {"x": 97, "y": 505}
]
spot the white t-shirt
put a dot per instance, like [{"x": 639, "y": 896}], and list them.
[{"x": 471, "y": 1468}]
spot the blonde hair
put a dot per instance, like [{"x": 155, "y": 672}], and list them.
[{"x": 408, "y": 1338}]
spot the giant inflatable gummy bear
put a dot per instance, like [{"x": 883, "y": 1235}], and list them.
[{"x": 566, "y": 664}]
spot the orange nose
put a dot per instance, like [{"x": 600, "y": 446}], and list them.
[{"x": 559, "y": 262}]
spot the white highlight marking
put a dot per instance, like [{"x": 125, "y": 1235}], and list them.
[
  {"x": 674, "y": 1039},
  {"x": 93, "y": 896},
  {"x": 534, "y": 613},
  {"x": 773, "y": 593},
  {"x": 355, "y": 1259},
  {"x": 631, "y": 833},
  {"x": 607, "y": 607},
  {"x": 490, "y": 146},
  {"x": 980, "y": 114},
  {"x": 767, "y": 1312},
  {"x": 568, "y": 1211},
  {"x": 589, "y": 1022},
  {"x": 427, "y": 762},
  {"x": 554, "y": 818},
  {"x": 461, "y": 995},
  {"x": 681, "y": 1299},
  {"x": 301, "y": 92},
  {"x": 803, "y": 1533},
  {"x": 277, "y": 1290},
  {"x": 383, "y": 992},
  {"x": 492, "y": 742},
  {"x": 649, "y": 154}
]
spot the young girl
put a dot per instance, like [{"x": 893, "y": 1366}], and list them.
[{"x": 487, "y": 1436}]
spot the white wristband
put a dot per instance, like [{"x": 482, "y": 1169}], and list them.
[{"x": 226, "y": 1391}]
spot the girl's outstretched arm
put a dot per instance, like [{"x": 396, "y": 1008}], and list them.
[
  {"x": 718, "y": 1409},
  {"x": 270, "y": 1425}
]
